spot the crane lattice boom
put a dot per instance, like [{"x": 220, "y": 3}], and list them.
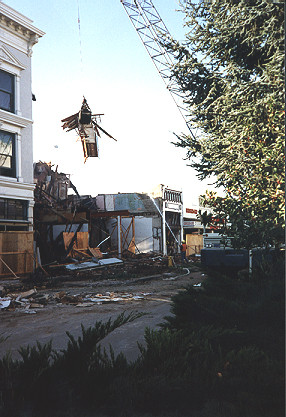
[{"x": 153, "y": 34}]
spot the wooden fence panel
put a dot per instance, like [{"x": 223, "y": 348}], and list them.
[
  {"x": 194, "y": 244},
  {"x": 16, "y": 250}
]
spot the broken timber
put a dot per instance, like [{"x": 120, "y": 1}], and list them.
[{"x": 86, "y": 125}]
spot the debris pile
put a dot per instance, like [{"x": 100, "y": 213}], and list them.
[
  {"x": 51, "y": 186},
  {"x": 109, "y": 268},
  {"x": 30, "y": 301},
  {"x": 27, "y": 300}
]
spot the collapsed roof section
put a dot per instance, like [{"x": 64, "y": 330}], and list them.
[
  {"x": 86, "y": 125},
  {"x": 51, "y": 186},
  {"x": 135, "y": 203}
]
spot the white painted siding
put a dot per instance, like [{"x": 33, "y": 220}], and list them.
[{"x": 17, "y": 37}]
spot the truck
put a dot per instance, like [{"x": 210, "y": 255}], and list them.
[{"x": 216, "y": 240}]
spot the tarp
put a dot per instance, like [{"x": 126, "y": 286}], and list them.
[{"x": 91, "y": 264}]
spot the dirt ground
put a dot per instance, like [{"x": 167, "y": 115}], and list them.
[{"x": 25, "y": 327}]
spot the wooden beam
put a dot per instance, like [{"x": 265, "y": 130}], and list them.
[
  {"x": 103, "y": 214},
  {"x": 73, "y": 239},
  {"x": 8, "y": 267}
]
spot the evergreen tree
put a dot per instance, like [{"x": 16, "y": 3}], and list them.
[{"x": 231, "y": 67}]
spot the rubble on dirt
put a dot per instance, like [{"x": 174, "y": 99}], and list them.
[
  {"x": 31, "y": 300},
  {"x": 4, "y": 302},
  {"x": 139, "y": 269},
  {"x": 93, "y": 268}
]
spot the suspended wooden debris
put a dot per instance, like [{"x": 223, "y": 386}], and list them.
[{"x": 86, "y": 126}]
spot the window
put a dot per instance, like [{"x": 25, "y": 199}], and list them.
[
  {"x": 13, "y": 209},
  {"x": 7, "y": 154},
  {"x": 7, "y": 91},
  {"x": 172, "y": 196}
]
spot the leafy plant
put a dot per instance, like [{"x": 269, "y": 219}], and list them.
[{"x": 231, "y": 68}]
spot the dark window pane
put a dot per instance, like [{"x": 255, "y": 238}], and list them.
[
  {"x": 2, "y": 208},
  {"x": 13, "y": 209},
  {"x": 6, "y": 81},
  {"x": 5, "y": 100},
  {"x": 19, "y": 210},
  {"x": 16, "y": 228},
  {"x": 6, "y": 91}
]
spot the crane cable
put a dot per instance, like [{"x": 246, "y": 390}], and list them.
[{"x": 79, "y": 34}]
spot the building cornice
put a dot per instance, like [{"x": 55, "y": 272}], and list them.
[
  {"x": 17, "y": 30},
  {"x": 18, "y": 22},
  {"x": 14, "y": 119}
]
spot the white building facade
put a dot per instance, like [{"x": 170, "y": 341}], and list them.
[
  {"x": 17, "y": 38},
  {"x": 171, "y": 210}
]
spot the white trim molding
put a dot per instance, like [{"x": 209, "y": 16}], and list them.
[
  {"x": 13, "y": 119},
  {"x": 6, "y": 57},
  {"x": 16, "y": 190},
  {"x": 17, "y": 30}
]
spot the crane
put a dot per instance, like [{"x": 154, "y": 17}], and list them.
[{"x": 153, "y": 34}]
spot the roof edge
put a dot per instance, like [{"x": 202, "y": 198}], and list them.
[{"x": 19, "y": 19}]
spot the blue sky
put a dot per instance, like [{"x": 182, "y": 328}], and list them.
[{"x": 118, "y": 78}]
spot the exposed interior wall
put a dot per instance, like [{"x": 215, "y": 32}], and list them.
[
  {"x": 144, "y": 241},
  {"x": 59, "y": 228},
  {"x": 144, "y": 234},
  {"x": 111, "y": 226}
]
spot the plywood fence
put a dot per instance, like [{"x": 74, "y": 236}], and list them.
[
  {"x": 16, "y": 251},
  {"x": 194, "y": 244}
]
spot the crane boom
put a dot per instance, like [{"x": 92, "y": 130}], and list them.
[{"x": 153, "y": 34}]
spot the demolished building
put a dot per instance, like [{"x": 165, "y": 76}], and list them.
[
  {"x": 56, "y": 212},
  {"x": 152, "y": 222},
  {"x": 120, "y": 224}
]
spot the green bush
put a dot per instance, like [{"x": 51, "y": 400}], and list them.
[
  {"x": 254, "y": 309},
  {"x": 220, "y": 355}
]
